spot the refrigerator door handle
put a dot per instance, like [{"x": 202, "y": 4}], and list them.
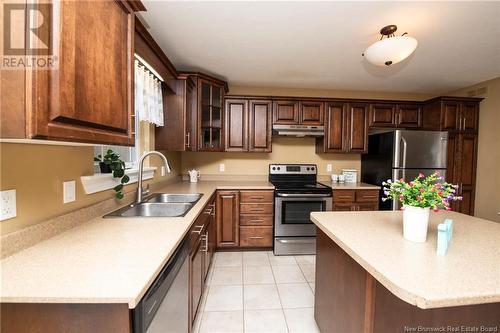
[{"x": 405, "y": 146}]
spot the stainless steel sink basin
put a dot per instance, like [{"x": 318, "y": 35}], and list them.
[
  {"x": 177, "y": 197},
  {"x": 153, "y": 209}
]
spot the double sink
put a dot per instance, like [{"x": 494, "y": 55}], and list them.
[{"x": 160, "y": 205}]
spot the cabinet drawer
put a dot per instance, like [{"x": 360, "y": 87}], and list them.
[
  {"x": 367, "y": 195},
  {"x": 256, "y": 220},
  {"x": 256, "y": 236},
  {"x": 249, "y": 208},
  {"x": 343, "y": 207},
  {"x": 344, "y": 195},
  {"x": 257, "y": 196}
]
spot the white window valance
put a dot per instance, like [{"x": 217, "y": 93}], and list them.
[{"x": 148, "y": 95}]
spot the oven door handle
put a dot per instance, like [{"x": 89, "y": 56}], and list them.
[{"x": 302, "y": 195}]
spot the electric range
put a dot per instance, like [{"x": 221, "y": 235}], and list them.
[{"x": 297, "y": 194}]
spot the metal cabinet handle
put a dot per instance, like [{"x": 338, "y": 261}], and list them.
[
  {"x": 459, "y": 124},
  {"x": 213, "y": 209},
  {"x": 344, "y": 196},
  {"x": 188, "y": 137},
  {"x": 256, "y": 237},
  {"x": 199, "y": 230},
  {"x": 257, "y": 210},
  {"x": 205, "y": 239},
  {"x": 257, "y": 198},
  {"x": 256, "y": 221},
  {"x": 464, "y": 124}
]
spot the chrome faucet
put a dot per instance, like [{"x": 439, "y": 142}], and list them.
[{"x": 140, "y": 190}]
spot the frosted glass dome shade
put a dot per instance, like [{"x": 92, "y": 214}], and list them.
[{"x": 391, "y": 50}]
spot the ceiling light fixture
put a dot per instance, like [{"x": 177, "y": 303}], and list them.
[{"x": 391, "y": 49}]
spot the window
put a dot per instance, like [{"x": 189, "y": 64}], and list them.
[{"x": 130, "y": 155}]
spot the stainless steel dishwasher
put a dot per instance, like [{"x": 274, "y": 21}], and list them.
[{"x": 164, "y": 307}]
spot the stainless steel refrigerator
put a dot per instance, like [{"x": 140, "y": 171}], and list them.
[{"x": 403, "y": 154}]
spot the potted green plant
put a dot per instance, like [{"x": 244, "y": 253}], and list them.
[
  {"x": 111, "y": 163},
  {"x": 418, "y": 197}
]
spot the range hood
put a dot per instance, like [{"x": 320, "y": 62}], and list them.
[{"x": 299, "y": 130}]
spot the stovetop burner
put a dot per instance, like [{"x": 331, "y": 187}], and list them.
[{"x": 296, "y": 178}]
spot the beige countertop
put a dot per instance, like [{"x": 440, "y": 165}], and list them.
[
  {"x": 468, "y": 274},
  {"x": 112, "y": 260}
]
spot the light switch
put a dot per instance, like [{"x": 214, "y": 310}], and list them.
[
  {"x": 8, "y": 204},
  {"x": 329, "y": 168},
  {"x": 69, "y": 191},
  {"x": 222, "y": 167}
]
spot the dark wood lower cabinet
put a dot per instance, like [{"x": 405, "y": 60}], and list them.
[
  {"x": 349, "y": 299},
  {"x": 196, "y": 278},
  {"x": 228, "y": 214},
  {"x": 355, "y": 200},
  {"x": 64, "y": 318}
]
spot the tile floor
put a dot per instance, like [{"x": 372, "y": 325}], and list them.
[{"x": 258, "y": 292}]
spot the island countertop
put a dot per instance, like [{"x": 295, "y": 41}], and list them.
[{"x": 468, "y": 274}]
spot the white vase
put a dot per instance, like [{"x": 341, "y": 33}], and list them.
[{"x": 415, "y": 223}]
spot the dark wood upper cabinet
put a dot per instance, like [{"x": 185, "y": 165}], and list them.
[
  {"x": 285, "y": 112},
  {"x": 470, "y": 116},
  {"x": 236, "y": 119},
  {"x": 228, "y": 217},
  {"x": 409, "y": 116},
  {"x": 395, "y": 115},
  {"x": 382, "y": 115},
  {"x": 248, "y": 125},
  {"x": 89, "y": 98},
  {"x": 357, "y": 120},
  {"x": 458, "y": 114},
  {"x": 450, "y": 115},
  {"x": 346, "y": 129},
  {"x": 260, "y": 126},
  {"x": 335, "y": 129},
  {"x": 311, "y": 112}
]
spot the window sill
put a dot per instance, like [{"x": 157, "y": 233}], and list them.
[{"x": 105, "y": 181}]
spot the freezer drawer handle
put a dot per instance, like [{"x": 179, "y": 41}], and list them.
[{"x": 293, "y": 241}]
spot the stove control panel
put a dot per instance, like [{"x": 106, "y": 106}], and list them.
[{"x": 292, "y": 169}]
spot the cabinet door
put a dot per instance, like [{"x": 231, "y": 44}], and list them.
[
  {"x": 236, "y": 125},
  {"x": 311, "y": 113},
  {"x": 409, "y": 116},
  {"x": 171, "y": 136},
  {"x": 210, "y": 134},
  {"x": 450, "y": 114},
  {"x": 191, "y": 114},
  {"x": 467, "y": 171},
  {"x": 89, "y": 98},
  {"x": 196, "y": 278},
  {"x": 227, "y": 216},
  {"x": 285, "y": 112},
  {"x": 344, "y": 207},
  {"x": 357, "y": 120},
  {"x": 367, "y": 206},
  {"x": 260, "y": 126},
  {"x": 211, "y": 236},
  {"x": 335, "y": 128},
  {"x": 382, "y": 115},
  {"x": 469, "y": 116}
]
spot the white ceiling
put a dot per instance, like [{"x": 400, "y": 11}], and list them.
[{"x": 319, "y": 44}]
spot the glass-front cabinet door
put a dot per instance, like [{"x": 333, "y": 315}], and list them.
[{"x": 210, "y": 116}]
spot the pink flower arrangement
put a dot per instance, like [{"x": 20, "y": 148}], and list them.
[{"x": 431, "y": 191}]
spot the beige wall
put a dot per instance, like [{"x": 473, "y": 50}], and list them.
[
  {"x": 487, "y": 204},
  {"x": 285, "y": 150},
  {"x": 37, "y": 172}
]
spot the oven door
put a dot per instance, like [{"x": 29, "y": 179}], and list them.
[{"x": 292, "y": 214}]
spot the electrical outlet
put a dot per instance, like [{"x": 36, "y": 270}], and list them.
[
  {"x": 222, "y": 167},
  {"x": 69, "y": 191},
  {"x": 8, "y": 204},
  {"x": 329, "y": 168},
  {"x": 162, "y": 171}
]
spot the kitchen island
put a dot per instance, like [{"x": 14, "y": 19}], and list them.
[{"x": 370, "y": 279}]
